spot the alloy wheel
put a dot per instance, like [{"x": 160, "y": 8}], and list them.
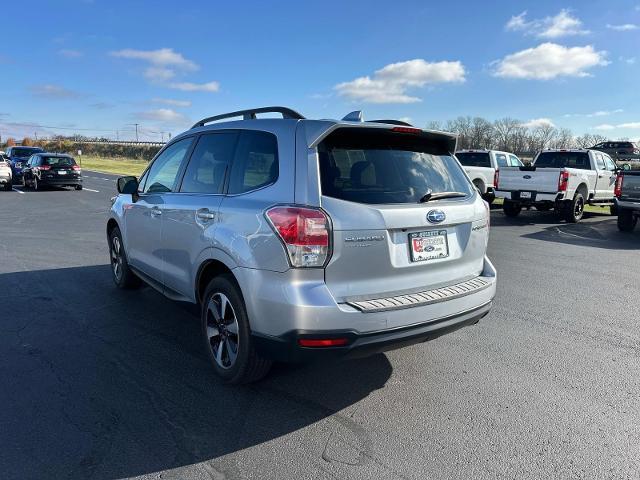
[
  {"x": 116, "y": 257},
  {"x": 222, "y": 330}
]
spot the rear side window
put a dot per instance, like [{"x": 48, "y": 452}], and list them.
[
  {"x": 600, "y": 162},
  {"x": 475, "y": 159},
  {"x": 256, "y": 162},
  {"x": 209, "y": 162},
  {"x": 564, "y": 159},
  {"x": 58, "y": 161},
  {"x": 163, "y": 173},
  {"x": 501, "y": 160},
  {"x": 374, "y": 167}
]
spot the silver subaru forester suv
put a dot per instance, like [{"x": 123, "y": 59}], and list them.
[{"x": 306, "y": 239}]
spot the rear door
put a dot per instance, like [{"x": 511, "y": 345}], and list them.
[
  {"x": 385, "y": 241},
  {"x": 190, "y": 216},
  {"x": 604, "y": 180},
  {"x": 143, "y": 218}
]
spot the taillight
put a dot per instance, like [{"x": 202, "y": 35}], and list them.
[
  {"x": 617, "y": 190},
  {"x": 44, "y": 167},
  {"x": 496, "y": 179},
  {"x": 76, "y": 168},
  {"x": 304, "y": 232},
  {"x": 563, "y": 181}
]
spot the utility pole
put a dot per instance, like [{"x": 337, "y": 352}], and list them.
[{"x": 136, "y": 125}]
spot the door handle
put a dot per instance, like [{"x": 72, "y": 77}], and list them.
[
  {"x": 205, "y": 215},
  {"x": 156, "y": 212}
]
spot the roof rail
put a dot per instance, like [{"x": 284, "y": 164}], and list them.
[
  {"x": 392, "y": 122},
  {"x": 250, "y": 114}
]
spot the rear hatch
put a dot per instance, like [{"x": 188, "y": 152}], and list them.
[
  {"x": 60, "y": 167},
  {"x": 389, "y": 238}
]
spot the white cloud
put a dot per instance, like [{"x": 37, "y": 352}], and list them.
[
  {"x": 561, "y": 25},
  {"x": 172, "y": 102},
  {"x": 634, "y": 125},
  {"x": 628, "y": 125},
  {"x": 164, "y": 57},
  {"x": 538, "y": 122},
  {"x": 604, "y": 113},
  {"x": 164, "y": 115},
  {"x": 196, "y": 87},
  {"x": 55, "y": 92},
  {"x": 625, "y": 27},
  {"x": 159, "y": 74},
  {"x": 70, "y": 53},
  {"x": 390, "y": 83},
  {"x": 550, "y": 60},
  {"x": 628, "y": 60},
  {"x": 604, "y": 126}
]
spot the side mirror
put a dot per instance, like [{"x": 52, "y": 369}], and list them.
[
  {"x": 626, "y": 167},
  {"x": 128, "y": 185}
]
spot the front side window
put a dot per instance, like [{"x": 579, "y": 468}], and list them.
[
  {"x": 374, "y": 167},
  {"x": 514, "y": 161},
  {"x": 209, "y": 162},
  {"x": 256, "y": 162},
  {"x": 163, "y": 173}
]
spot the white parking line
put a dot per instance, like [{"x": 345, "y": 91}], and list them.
[
  {"x": 16, "y": 190},
  {"x": 91, "y": 190}
]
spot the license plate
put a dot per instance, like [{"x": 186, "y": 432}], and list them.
[
  {"x": 62, "y": 172},
  {"x": 525, "y": 194},
  {"x": 428, "y": 245}
]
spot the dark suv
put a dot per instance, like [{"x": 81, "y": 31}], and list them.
[
  {"x": 617, "y": 149},
  {"x": 18, "y": 157}
]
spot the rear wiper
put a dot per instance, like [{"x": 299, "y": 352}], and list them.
[{"x": 427, "y": 197}]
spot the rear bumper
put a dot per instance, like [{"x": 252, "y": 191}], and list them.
[
  {"x": 284, "y": 308},
  {"x": 285, "y": 348},
  {"x": 628, "y": 205},
  {"x": 536, "y": 197},
  {"x": 60, "y": 182}
]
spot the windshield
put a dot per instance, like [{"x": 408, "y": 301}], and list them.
[
  {"x": 58, "y": 161},
  {"x": 563, "y": 159},
  {"x": 474, "y": 159},
  {"x": 383, "y": 167},
  {"x": 24, "y": 152}
]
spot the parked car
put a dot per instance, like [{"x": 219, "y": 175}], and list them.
[
  {"x": 306, "y": 239},
  {"x": 627, "y": 194},
  {"x": 483, "y": 168},
  {"x": 18, "y": 157},
  {"x": 565, "y": 180},
  {"x": 618, "y": 149},
  {"x": 5, "y": 175},
  {"x": 52, "y": 170}
]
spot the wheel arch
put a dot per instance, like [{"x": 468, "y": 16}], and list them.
[{"x": 216, "y": 264}]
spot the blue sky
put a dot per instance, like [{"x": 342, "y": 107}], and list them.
[{"x": 106, "y": 64}]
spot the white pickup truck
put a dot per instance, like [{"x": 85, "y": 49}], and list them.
[
  {"x": 483, "y": 166},
  {"x": 565, "y": 180}
]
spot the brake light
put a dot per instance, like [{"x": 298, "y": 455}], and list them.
[
  {"x": 496, "y": 179},
  {"x": 617, "y": 190},
  {"x": 76, "y": 168},
  {"x": 322, "y": 342},
  {"x": 563, "y": 181},
  {"x": 44, "y": 167},
  {"x": 406, "y": 130},
  {"x": 304, "y": 232}
]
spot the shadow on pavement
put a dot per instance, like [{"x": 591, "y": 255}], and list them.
[
  {"x": 106, "y": 384},
  {"x": 600, "y": 234}
]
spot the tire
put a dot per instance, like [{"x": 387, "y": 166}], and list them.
[
  {"x": 511, "y": 209},
  {"x": 122, "y": 275},
  {"x": 227, "y": 335},
  {"x": 489, "y": 197},
  {"x": 78, "y": 187},
  {"x": 8, "y": 186},
  {"x": 574, "y": 209},
  {"x": 544, "y": 207},
  {"x": 626, "y": 221},
  {"x": 613, "y": 209}
]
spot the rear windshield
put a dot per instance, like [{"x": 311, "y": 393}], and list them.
[
  {"x": 474, "y": 159},
  {"x": 563, "y": 159},
  {"x": 59, "y": 161},
  {"x": 374, "y": 167},
  {"x": 24, "y": 152}
]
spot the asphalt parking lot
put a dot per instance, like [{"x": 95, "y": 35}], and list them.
[{"x": 102, "y": 384}]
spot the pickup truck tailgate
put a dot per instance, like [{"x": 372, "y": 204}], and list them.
[
  {"x": 529, "y": 179},
  {"x": 630, "y": 187}
]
